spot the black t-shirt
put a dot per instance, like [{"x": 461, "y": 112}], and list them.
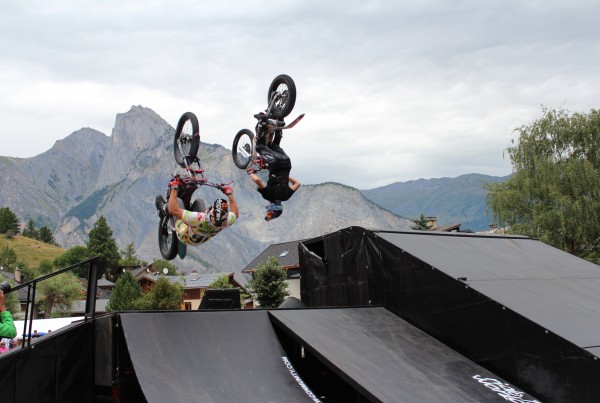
[
  {"x": 279, "y": 171},
  {"x": 276, "y": 192}
]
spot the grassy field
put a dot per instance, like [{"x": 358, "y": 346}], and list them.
[{"x": 31, "y": 251}]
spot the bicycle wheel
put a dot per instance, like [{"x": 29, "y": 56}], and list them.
[
  {"x": 243, "y": 150},
  {"x": 167, "y": 239},
  {"x": 187, "y": 139},
  {"x": 286, "y": 89}
]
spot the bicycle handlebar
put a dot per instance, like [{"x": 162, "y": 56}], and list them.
[{"x": 201, "y": 181}]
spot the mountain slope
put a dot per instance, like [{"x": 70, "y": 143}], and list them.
[
  {"x": 89, "y": 174},
  {"x": 451, "y": 200}
]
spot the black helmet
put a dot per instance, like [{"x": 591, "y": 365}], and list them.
[{"x": 220, "y": 210}]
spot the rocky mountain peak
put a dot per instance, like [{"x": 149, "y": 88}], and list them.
[
  {"x": 89, "y": 174},
  {"x": 136, "y": 132},
  {"x": 81, "y": 143}
]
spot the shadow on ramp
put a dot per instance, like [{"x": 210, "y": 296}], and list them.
[
  {"x": 210, "y": 356},
  {"x": 386, "y": 359}
]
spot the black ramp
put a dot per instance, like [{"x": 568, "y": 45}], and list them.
[
  {"x": 554, "y": 289},
  {"x": 389, "y": 360},
  {"x": 209, "y": 356}
]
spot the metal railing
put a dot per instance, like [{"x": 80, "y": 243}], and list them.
[{"x": 90, "y": 303}]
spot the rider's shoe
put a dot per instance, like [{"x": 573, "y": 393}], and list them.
[{"x": 160, "y": 204}]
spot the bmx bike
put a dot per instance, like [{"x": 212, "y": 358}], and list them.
[
  {"x": 186, "y": 144},
  {"x": 281, "y": 100}
]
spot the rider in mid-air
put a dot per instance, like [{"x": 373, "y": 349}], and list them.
[
  {"x": 194, "y": 228},
  {"x": 278, "y": 188}
]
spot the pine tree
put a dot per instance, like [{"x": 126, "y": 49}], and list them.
[
  {"x": 421, "y": 224},
  {"x": 102, "y": 244},
  {"x": 30, "y": 230},
  {"x": 125, "y": 295},
  {"x": 128, "y": 256},
  {"x": 73, "y": 256},
  {"x": 8, "y": 221},
  {"x": 46, "y": 236},
  {"x": 269, "y": 284}
]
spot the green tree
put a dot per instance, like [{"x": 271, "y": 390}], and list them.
[
  {"x": 164, "y": 296},
  {"x": 45, "y": 235},
  {"x": 128, "y": 256},
  {"x": 8, "y": 258},
  {"x": 45, "y": 267},
  {"x": 221, "y": 282},
  {"x": 160, "y": 264},
  {"x": 269, "y": 284},
  {"x": 59, "y": 292},
  {"x": 125, "y": 295},
  {"x": 27, "y": 273},
  {"x": 8, "y": 221},
  {"x": 30, "y": 230},
  {"x": 554, "y": 192},
  {"x": 421, "y": 224},
  {"x": 101, "y": 243},
  {"x": 73, "y": 256}
]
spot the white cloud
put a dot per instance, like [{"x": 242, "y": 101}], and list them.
[{"x": 392, "y": 91}]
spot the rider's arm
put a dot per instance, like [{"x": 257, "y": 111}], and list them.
[
  {"x": 295, "y": 183},
  {"x": 233, "y": 205},
  {"x": 256, "y": 179},
  {"x": 173, "y": 206}
]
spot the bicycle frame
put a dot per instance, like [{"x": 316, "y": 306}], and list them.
[
  {"x": 194, "y": 180},
  {"x": 281, "y": 100}
]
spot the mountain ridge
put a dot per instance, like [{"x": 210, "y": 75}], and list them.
[
  {"x": 459, "y": 200},
  {"x": 89, "y": 174}
]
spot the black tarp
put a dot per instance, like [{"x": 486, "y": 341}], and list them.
[
  {"x": 387, "y": 359},
  {"x": 221, "y": 298},
  {"x": 55, "y": 368},
  {"x": 522, "y": 309},
  {"x": 559, "y": 291},
  {"x": 209, "y": 356}
]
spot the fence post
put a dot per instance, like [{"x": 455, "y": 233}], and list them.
[{"x": 90, "y": 303}]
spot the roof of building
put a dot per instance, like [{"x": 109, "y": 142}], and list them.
[
  {"x": 448, "y": 228},
  {"x": 105, "y": 283},
  {"x": 190, "y": 281},
  {"x": 286, "y": 254},
  {"x": 137, "y": 270},
  {"x": 78, "y": 306}
]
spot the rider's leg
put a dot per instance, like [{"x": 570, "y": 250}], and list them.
[
  {"x": 277, "y": 138},
  {"x": 160, "y": 204},
  {"x": 261, "y": 132},
  {"x": 183, "y": 232}
]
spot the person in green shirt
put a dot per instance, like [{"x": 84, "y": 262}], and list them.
[{"x": 7, "y": 326}]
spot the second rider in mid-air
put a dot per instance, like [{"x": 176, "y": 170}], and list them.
[{"x": 280, "y": 185}]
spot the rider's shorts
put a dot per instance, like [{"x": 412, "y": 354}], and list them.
[{"x": 186, "y": 236}]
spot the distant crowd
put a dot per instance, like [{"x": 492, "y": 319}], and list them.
[{"x": 8, "y": 344}]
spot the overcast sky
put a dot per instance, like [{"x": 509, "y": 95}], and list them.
[{"x": 392, "y": 90}]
